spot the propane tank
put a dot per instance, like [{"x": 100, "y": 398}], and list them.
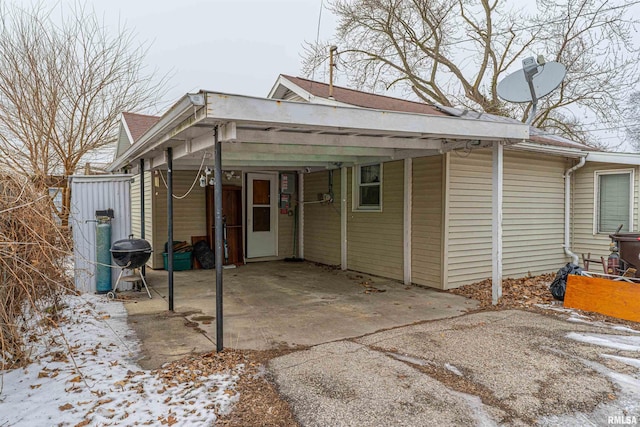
[
  {"x": 103, "y": 255},
  {"x": 613, "y": 262}
]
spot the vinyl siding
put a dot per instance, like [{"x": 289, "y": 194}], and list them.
[
  {"x": 135, "y": 206},
  {"x": 148, "y": 208},
  {"x": 533, "y": 216},
  {"x": 426, "y": 221},
  {"x": 375, "y": 239},
  {"x": 583, "y": 201},
  {"x": 321, "y": 220},
  {"x": 189, "y": 214},
  {"x": 285, "y": 235},
  {"x": 469, "y": 217}
]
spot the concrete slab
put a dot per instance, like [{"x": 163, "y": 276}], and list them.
[
  {"x": 506, "y": 367},
  {"x": 271, "y": 304}
]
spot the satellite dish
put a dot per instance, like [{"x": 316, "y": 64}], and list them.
[{"x": 537, "y": 79}]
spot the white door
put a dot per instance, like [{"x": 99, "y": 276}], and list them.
[{"x": 262, "y": 211}]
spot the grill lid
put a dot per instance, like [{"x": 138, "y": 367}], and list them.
[{"x": 131, "y": 253}]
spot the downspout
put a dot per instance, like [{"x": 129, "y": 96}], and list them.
[{"x": 567, "y": 209}]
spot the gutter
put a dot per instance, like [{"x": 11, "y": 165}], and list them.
[
  {"x": 567, "y": 208},
  {"x": 548, "y": 149}
]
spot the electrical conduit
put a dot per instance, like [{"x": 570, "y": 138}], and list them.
[{"x": 567, "y": 209}]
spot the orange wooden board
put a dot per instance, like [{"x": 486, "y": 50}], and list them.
[{"x": 613, "y": 298}]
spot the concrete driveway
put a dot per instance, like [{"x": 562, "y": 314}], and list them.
[
  {"x": 274, "y": 304},
  {"x": 490, "y": 368}
]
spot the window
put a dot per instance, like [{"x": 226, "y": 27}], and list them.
[
  {"x": 368, "y": 188},
  {"x": 613, "y": 201}
]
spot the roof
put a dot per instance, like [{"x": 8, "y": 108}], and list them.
[
  {"x": 138, "y": 124},
  {"x": 536, "y": 135},
  {"x": 381, "y": 102},
  {"x": 364, "y": 99}
]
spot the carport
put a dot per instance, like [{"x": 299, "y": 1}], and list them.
[
  {"x": 257, "y": 134},
  {"x": 270, "y": 305}
]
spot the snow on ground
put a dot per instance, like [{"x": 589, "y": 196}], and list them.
[
  {"x": 626, "y": 406},
  {"x": 99, "y": 382}
]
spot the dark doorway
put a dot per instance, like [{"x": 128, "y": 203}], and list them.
[{"x": 232, "y": 217}]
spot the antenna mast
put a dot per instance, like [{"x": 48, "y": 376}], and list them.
[{"x": 332, "y": 64}]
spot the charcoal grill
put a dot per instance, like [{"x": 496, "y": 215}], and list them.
[{"x": 130, "y": 254}]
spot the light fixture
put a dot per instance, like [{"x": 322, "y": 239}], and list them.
[
  {"x": 207, "y": 171},
  {"x": 212, "y": 181},
  {"x": 196, "y": 99},
  {"x": 203, "y": 181}
]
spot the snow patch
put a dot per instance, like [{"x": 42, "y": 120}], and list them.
[
  {"x": 453, "y": 369},
  {"x": 628, "y": 360},
  {"x": 102, "y": 384},
  {"x": 409, "y": 359},
  {"x": 619, "y": 342}
]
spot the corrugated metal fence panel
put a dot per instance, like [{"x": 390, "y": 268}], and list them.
[{"x": 88, "y": 194}]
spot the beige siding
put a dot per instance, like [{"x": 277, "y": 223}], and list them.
[
  {"x": 374, "y": 239},
  {"x": 426, "y": 227},
  {"x": 189, "y": 213},
  {"x": 469, "y": 217},
  {"x": 533, "y": 216},
  {"x": 148, "y": 208},
  {"x": 135, "y": 206},
  {"x": 285, "y": 235},
  {"x": 321, "y": 220},
  {"x": 583, "y": 202}
]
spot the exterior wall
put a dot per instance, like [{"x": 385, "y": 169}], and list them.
[
  {"x": 375, "y": 239},
  {"x": 533, "y": 215},
  {"x": 148, "y": 208},
  {"x": 427, "y": 224},
  {"x": 189, "y": 213},
  {"x": 583, "y": 201},
  {"x": 285, "y": 235},
  {"x": 321, "y": 220},
  {"x": 468, "y": 238}
]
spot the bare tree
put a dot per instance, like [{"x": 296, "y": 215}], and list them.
[
  {"x": 632, "y": 121},
  {"x": 454, "y": 52},
  {"x": 64, "y": 80}
]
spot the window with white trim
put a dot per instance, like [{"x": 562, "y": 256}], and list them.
[
  {"x": 613, "y": 201},
  {"x": 368, "y": 187}
]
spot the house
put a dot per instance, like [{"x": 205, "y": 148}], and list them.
[{"x": 424, "y": 194}]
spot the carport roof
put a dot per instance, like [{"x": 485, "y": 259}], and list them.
[{"x": 261, "y": 132}]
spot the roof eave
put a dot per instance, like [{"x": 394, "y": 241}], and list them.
[{"x": 172, "y": 118}]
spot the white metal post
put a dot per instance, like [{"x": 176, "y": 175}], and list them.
[
  {"x": 408, "y": 194},
  {"x": 496, "y": 224},
  {"x": 343, "y": 218}
]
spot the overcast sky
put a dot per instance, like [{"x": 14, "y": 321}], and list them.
[{"x": 234, "y": 46}]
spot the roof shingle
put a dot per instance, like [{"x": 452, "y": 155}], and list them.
[
  {"x": 138, "y": 124},
  {"x": 364, "y": 99}
]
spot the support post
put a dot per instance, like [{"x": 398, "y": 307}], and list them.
[
  {"x": 301, "y": 215},
  {"x": 343, "y": 218},
  {"x": 143, "y": 269},
  {"x": 170, "y": 224},
  {"x": 496, "y": 223},
  {"x": 217, "y": 200},
  {"x": 408, "y": 206}
]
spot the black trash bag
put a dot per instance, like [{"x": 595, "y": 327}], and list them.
[
  {"x": 559, "y": 285},
  {"x": 204, "y": 255}
]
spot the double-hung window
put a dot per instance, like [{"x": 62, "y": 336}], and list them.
[
  {"x": 368, "y": 187},
  {"x": 613, "y": 201}
]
